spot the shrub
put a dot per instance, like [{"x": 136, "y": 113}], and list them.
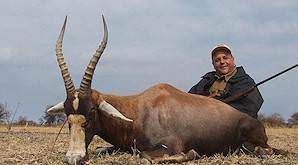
[
  {"x": 52, "y": 119},
  {"x": 273, "y": 120},
  {"x": 24, "y": 121},
  {"x": 293, "y": 120},
  {"x": 4, "y": 113}
]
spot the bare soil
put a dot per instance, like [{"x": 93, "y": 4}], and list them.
[{"x": 34, "y": 145}]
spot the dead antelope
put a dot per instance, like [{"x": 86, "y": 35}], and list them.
[{"x": 163, "y": 123}]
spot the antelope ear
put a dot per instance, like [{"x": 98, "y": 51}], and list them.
[
  {"x": 56, "y": 109},
  {"x": 108, "y": 108}
]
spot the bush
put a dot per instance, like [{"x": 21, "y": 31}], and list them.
[
  {"x": 24, "y": 121},
  {"x": 293, "y": 120},
  {"x": 273, "y": 120},
  {"x": 52, "y": 119},
  {"x": 4, "y": 113}
]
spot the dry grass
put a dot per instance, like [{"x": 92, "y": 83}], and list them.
[{"x": 32, "y": 145}]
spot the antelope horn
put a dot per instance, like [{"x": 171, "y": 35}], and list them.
[
  {"x": 63, "y": 67},
  {"x": 87, "y": 79}
]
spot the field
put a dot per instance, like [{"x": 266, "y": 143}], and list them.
[{"x": 34, "y": 145}]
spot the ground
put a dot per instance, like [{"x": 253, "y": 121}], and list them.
[{"x": 34, "y": 145}]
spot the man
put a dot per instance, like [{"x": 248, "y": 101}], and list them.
[{"x": 226, "y": 80}]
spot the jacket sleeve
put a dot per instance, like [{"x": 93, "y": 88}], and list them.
[
  {"x": 251, "y": 103},
  {"x": 199, "y": 88}
]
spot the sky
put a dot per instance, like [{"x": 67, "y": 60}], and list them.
[{"x": 150, "y": 42}]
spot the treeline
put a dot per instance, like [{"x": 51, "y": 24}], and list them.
[
  {"x": 276, "y": 120},
  {"x": 272, "y": 120},
  {"x": 7, "y": 117}
]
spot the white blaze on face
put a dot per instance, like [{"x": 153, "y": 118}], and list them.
[
  {"x": 75, "y": 103},
  {"x": 77, "y": 148}
]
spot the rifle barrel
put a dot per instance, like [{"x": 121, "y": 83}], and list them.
[
  {"x": 243, "y": 93},
  {"x": 276, "y": 75}
]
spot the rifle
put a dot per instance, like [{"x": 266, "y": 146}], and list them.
[{"x": 247, "y": 91}]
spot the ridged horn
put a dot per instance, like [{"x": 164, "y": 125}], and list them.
[
  {"x": 87, "y": 78},
  {"x": 69, "y": 86}
]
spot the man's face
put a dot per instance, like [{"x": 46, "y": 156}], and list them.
[{"x": 223, "y": 62}]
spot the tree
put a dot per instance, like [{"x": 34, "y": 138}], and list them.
[
  {"x": 294, "y": 119},
  {"x": 273, "y": 120},
  {"x": 4, "y": 113},
  {"x": 262, "y": 117},
  {"x": 277, "y": 118},
  {"x": 22, "y": 120},
  {"x": 52, "y": 119}
]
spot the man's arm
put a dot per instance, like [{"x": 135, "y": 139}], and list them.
[
  {"x": 199, "y": 88},
  {"x": 202, "y": 87}
]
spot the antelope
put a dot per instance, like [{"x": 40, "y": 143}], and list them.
[{"x": 163, "y": 123}]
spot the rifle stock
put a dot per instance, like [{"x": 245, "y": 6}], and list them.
[{"x": 239, "y": 95}]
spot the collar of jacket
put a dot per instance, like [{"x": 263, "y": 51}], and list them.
[
  {"x": 240, "y": 74},
  {"x": 226, "y": 77}
]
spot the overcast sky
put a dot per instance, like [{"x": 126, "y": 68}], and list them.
[{"x": 150, "y": 42}]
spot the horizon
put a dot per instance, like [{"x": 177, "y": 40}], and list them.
[{"x": 149, "y": 43}]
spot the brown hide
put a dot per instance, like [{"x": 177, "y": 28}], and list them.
[
  {"x": 160, "y": 116},
  {"x": 181, "y": 121}
]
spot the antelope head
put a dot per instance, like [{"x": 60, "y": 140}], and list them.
[{"x": 80, "y": 105}]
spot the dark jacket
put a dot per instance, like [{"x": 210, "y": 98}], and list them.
[{"x": 241, "y": 81}]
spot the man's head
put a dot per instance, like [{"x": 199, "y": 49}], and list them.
[{"x": 222, "y": 59}]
